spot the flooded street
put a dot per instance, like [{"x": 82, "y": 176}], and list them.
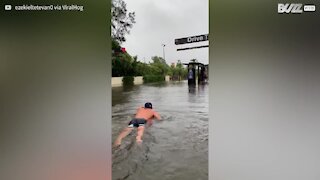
[{"x": 173, "y": 149}]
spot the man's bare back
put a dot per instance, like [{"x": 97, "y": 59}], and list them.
[{"x": 147, "y": 114}]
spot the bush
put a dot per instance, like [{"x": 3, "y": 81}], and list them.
[
  {"x": 153, "y": 78},
  {"x": 127, "y": 80}
]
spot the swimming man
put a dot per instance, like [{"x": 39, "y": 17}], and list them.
[{"x": 144, "y": 116}]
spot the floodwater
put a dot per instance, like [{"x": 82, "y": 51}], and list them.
[{"x": 173, "y": 149}]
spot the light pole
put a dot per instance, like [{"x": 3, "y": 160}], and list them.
[{"x": 164, "y": 57}]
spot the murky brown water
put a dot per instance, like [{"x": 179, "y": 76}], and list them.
[{"x": 173, "y": 149}]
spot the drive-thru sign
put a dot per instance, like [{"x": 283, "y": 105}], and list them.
[{"x": 191, "y": 39}]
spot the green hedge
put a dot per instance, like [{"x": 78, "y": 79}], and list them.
[
  {"x": 153, "y": 78},
  {"x": 127, "y": 80}
]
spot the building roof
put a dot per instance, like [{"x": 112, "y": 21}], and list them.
[{"x": 195, "y": 63}]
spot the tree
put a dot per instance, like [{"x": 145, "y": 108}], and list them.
[
  {"x": 178, "y": 72},
  {"x": 159, "y": 66},
  {"x": 121, "y": 20},
  {"x": 142, "y": 69},
  {"x": 122, "y": 63},
  {"x": 121, "y": 23}
]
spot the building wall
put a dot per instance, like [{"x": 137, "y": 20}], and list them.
[
  {"x": 138, "y": 80},
  {"x": 116, "y": 81},
  {"x": 167, "y": 78}
]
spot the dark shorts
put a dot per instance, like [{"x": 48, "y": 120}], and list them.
[{"x": 136, "y": 122}]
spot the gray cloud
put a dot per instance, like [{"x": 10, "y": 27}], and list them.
[{"x": 162, "y": 21}]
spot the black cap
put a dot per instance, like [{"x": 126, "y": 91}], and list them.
[{"x": 148, "y": 105}]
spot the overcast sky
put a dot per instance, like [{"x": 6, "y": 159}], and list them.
[{"x": 160, "y": 22}]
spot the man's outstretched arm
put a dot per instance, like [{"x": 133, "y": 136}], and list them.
[{"x": 157, "y": 116}]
